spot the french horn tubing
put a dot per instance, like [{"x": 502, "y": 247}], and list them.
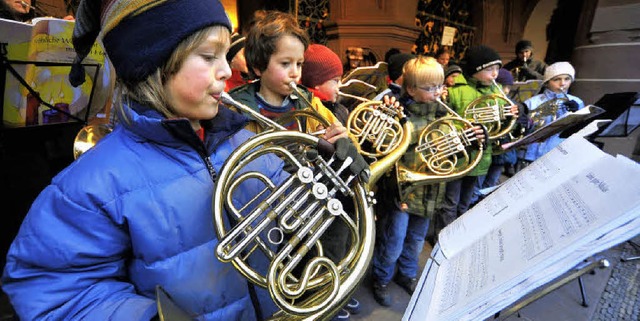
[
  {"x": 547, "y": 111},
  {"x": 382, "y": 134},
  {"x": 358, "y": 98},
  {"x": 491, "y": 111},
  {"x": 448, "y": 148},
  {"x": 283, "y": 223},
  {"x": 302, "y": 116}
]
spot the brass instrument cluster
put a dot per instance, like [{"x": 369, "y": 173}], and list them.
[{"x": 285, "y": 222}]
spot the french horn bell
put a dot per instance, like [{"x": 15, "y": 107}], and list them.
[
  {"x": 382, "y": 133},
  {"x": 88, "y": 137},
  {"x": 547, "y": 111}
]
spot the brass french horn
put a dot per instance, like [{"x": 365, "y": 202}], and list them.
[
  {"x": 516, "y": 72},
  {"x": 382, "y": 134},
  {"x": 284, "y": 223},
  {"x": 547, "y": 111},
  {"x": 88, "y": 137},
  {"x": 494, "y": 112},
  {"x": 448, "y": 148}
]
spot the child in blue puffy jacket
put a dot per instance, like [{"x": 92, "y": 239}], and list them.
[{"x": 134, "y": 212}]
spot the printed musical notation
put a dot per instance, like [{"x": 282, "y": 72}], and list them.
[{"x": 572, "y": 203}]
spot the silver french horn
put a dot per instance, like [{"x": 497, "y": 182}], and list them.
[
  {"x": 284, "y": 223},
  {"x": 547, "y": 111}
]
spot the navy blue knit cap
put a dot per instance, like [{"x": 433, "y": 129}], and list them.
[
  {"x": 480, "y": 57},
  {"x": 504, "y": 77},
  {"x": 139, "y": 36}
]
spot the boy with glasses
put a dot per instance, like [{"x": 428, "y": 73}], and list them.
[{"x": 403, "y": 225}]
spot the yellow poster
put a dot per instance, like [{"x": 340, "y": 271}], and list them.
[{"x": 39, "y": 55}]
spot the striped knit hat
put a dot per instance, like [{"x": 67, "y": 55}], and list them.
[
  {"x": 237, "y": 43},
  {"x": 139, "y": 35}
]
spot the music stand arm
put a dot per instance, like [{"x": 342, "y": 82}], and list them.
[{"x": 597, "y": 261}]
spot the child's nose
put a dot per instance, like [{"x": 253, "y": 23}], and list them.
[
  {"x": 223, "y": 72},
  {"x": 295, "y": 71}
]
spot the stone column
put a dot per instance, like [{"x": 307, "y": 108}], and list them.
[{"x": 606, "y": 56}]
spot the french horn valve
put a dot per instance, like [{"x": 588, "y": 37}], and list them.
[{"x": 377, "y": 126}]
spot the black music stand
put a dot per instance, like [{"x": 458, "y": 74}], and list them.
[
  {"x": 588, "y": 266},
  {"x": 615, "y": 106},
  {"x": 6, "y": 65},
  {"x": 30, "y": 156}
]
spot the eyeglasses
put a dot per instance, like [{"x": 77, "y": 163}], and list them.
[{"x": 432, "y": 90}]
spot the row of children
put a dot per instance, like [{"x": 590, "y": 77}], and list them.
[
  {"x": 404, "y": 225},
  {"x": 134, "y": 212}
]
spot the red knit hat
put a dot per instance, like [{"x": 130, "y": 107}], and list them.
[{"x": 320, "y": 64}]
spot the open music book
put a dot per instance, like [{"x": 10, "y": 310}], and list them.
[
  {"x": 568, "y": 120},
  {"x": 39, "y": 54},
  {"x": 568, "y": 205}
]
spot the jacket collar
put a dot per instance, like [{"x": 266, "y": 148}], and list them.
[
  {"x": 148, "y": 124},
  {"x": 550, "y": 94}
]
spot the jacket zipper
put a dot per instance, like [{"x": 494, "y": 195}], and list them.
[{"x": 212, "y": 171}]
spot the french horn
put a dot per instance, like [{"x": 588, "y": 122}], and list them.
[
  {"x": 494, "y": 112},
  {"x": 284, "y": 223},
  {"x": 448, "y": 148},
  {"x": 516, "y": 72},
  {"x": 382, "y": 133},
  {"x": 303, "y": 118},
  {"x": 88, "y": 137},
  {"x": 547, "y": 111}
]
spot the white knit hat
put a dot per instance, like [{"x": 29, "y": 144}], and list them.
[{"x": 559, "y": 68}]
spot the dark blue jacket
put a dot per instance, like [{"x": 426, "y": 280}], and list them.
[{"x": 132, "y": 213}]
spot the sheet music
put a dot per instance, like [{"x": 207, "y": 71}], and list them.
[
  {"x": 41, "y": 54},
  {"x": 558, "y": 223},
  {"x": 556, "y": 126},
  {"x": 534, "y": 180}
]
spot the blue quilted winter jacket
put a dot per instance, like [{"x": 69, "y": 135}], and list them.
[{"x": 132, "y": 213}]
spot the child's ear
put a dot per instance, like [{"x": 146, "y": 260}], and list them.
[
  {"x": 412, "y": 91},
  {"x": 257, "y": 72}
]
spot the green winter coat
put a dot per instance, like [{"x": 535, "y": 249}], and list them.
[{"x": 461, "y": 94}]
